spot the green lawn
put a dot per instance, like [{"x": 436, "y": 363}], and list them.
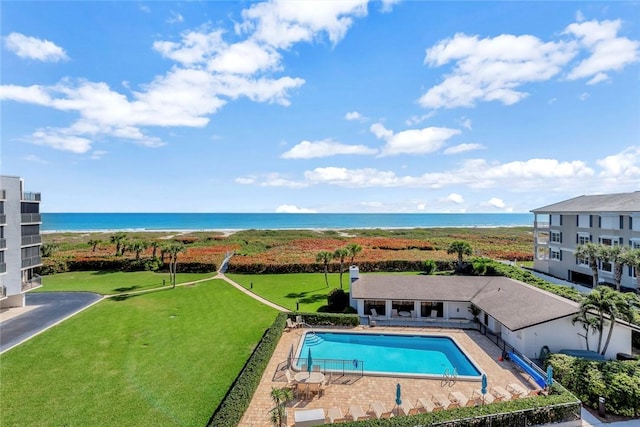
[
  {"x": 107, "y": 283},
  {"x": 165, "y": 359},
  {"x": 308, "y": 289}
]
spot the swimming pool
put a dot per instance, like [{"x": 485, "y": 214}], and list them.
[{"x": 390, "y": 354}]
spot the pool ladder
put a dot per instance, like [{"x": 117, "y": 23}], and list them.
[{"x": 449, "y": 378}]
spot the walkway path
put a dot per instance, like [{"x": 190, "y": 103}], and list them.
[{"x": 251, "y": 294}]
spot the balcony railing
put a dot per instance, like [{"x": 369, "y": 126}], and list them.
[
  {"x": 33, "y": 261},
  {"x": 3, "y": 219},
  {"x": 34, "y": 239},
  {"x": 35, "y": 282},
  {"x": 3, "y": 291},
  {"x": 31, "y": 197},
  {"x": 27, "y": 218},
  {"x": 3, "y": 243},
  {"x": 3, "y": 194},
  {"x": 541, "y": 224},
  {"x": 3, "y": 267}
]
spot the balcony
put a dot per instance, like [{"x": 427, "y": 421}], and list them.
[
  {"x": 30, "y": 197},
  {"x": 31, "y": 218},
  {"x": 3, "y": 291},
  {"x": 3, "y": 219},
  {"x": 3, "y": 243},
  {"x": 33, "y": 261},
  {"x": 3, "y": 194},
  {"x": 34, "y": 239},
  {"x": 541, "y": 224},
  {"x": 35, "y": 282},
  {"x": 3, "y": 267}
]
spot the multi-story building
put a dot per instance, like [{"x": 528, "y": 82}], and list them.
[
  {"x": 20, "y": 241},
  {"x": 609, "y": 219}
]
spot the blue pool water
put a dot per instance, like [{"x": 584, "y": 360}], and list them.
[{"x": 391, "y": 354}]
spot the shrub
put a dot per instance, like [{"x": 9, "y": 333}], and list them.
[
  {"x": 429, "y": 266},
  {"x": 337, "y": 300},
  {"x": 328, "y": 319}
]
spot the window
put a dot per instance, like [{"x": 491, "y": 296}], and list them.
[
  {"x": 556, "y": 219},
  {"x": 582, "y": 261},
  {"x": 582, "y": 239},
  {"x": 610, "y": 241},
  {"x": 635, "y": 244},
  {"x": 606, "y": 266},
  {"x": 542, "y": 253},
  {"x": 378, "y": 305},
  {"x": 556, "y": 254},
  {"x": 609, "y": 222},
  {"x": 634, "y": 223},
  {"x": 431, "y": 309},
  {"x": 556, "y": 237},
  {"x": 584, "y": 221}
]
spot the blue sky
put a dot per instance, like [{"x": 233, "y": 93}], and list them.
[{"x": 348, "y": 106}]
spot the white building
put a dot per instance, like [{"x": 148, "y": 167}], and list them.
[
  {"x": 20, "y": 241},
  {"x": 525, "y": 317}
]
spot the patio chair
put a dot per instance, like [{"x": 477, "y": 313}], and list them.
[
  {"x": 478, "y": 399},
  {"x": 334, "y": 414},
  {"x": 325, "y": 385},
  {"x": 499, "y": 393},
  {"x": 394, "y": 312},
  {"x": 426, "y": 405},
  {"x": 290, "y": 324},
  {"x": 291, "y": 381},
  {"x": 459, "y": 398},
  {"x": 413, "y": 314},
  {"x": 301, "y": 391},
  {"x": 374, "y": 313},
  {"x": 442, "y": 401},
  {"x": 356, "y": 413},
  {"x": 299, "y": 321},
  {"x": 517, "y": 391},
  {"x": 315, "y": 368},
  {"x": 313, "y": 389},
  {"x": 379, "y": 410},
  {"x": 434, "y": 313},
  {"x": 406, "y": 408}
]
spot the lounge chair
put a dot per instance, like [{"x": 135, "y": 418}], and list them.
[
  {"x": 356, "y": 413},
  {"x": 299, "y": 321},
  {"x": 459, "y": 398},
  {"x": 434, "y": 313},
  {"x": 290, "y": 324},
  {"x": 325, "y": 385},
  {"x": 374, "y": 312},
  {"x": 379, "y": 410},
  {"x": 406, "y": 408},
  {"x": 426, "y": 405},
  {"x": 478, "y": 399},
  {"x": 499, "y": 393},
  {"x": 335, "y": 415},
  {"x": 291, "y": 381},
  {"x": 442, "y": 401},
  {"x": 518, "y": 391}
]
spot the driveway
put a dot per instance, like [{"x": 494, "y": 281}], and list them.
[{"x": 52, "y": 308}]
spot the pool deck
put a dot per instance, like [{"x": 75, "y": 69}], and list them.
[{"x": 364, "y": 390}]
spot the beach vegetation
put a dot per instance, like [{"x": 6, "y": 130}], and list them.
[
  {"x": 429, "y": 266},
  {"x": 460, "y": 248},
  {"x": 354, "y": 249},
  {"x": 340, "y": 254},
  {"x": 93, "y": 243},
  {"x": 325, "y": 258},
  {"x": 118, "y": 239},
  {"x": 48, "y": 249}
]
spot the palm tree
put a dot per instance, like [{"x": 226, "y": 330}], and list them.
[
  {"x": 173, "y": 250},
  {"x": 598, "y": 301},
  {"x": 590, "y": 251},
  {"x": 354, "y": 249},
  {"x": 137, "y": 246},
  {"x": 155, "y": 245},
  {"x": 614, "y": 255},
  {"x": 589, "y": 324},
  {"x": 325, "y": 257},
  {"x": 47, "y": 249},
  {"x": 280, "y": 397},
  {"x": 94, "y": 243},
  {"x": 340, "y": 254},
  {"x": 631, "y": 257},
  {"x": 624, "y": 307},
  {"x": 118, "y": 239},
  {"x": 461, "y": 248}
]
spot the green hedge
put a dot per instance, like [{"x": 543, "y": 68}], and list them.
[
  {"x": 617, "y": 381},
  {"x": 327, "y": 319},
  {"x": 529, "y": 411},
  {"x": 235, "y": 403},
  {"x": 366, "y": 266},
  {"x": 62, "y": 265}
]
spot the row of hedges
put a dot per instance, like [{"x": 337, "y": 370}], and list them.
[
  {"x": 617, "y": 381},
  {"x": 62, "y": 265},
  {"x": 327, "y": 319},
  {"x": 521, "y": 412},
  {"x": 237, "y": 400},
  {"x": 368, "y": 266}
]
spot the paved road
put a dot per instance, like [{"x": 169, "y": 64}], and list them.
[{"x": 54, "y": 306}]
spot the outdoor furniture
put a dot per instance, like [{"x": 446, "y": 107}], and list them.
[
  {"x": 374, "y": 313},
  {"x": 517, "y": 391},
  {"x": 335, "y": 415},
  {"x": 315, "y": 368},
  {"x": 499, "y": 393},
  {"x": 301, "y": 390},
  {"x": 291, "y": 324},
  {"x": 299, "y": 321},
  {"x": 356, "y": 413},
  {"x": 404, "y": 314},
  {"x": 427, "y": 405},
  {"x": 442, "y": 401},
  {"x": 459, "y": 398},
  {"x": 413, "y": 313},
  {"x": 291, "y": 381},
  {"x": 309, "y": 417},
  {"x": 313, "y": 389},
  {"x": 394, "y": 312},
  {"x": 479, "y": 399},
  {"x": 380, "y": 410},
  {"x": 406, "y": 408},
  {"x": 325, "y": 385}
]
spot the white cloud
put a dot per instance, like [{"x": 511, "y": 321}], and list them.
[
  {"x": 353, "y": 115},
  {"x": 325, "y": 148},
  {"x": 245, "y": 180},
  {"x": 245, "y": 57},
  {"x": 608, "y": 51},
  {"x": 61, "y": 141},
  {"x": 195, "y": 46},
  {"x": 462, "y": 148},
  {"x": 293, "y": 209},
  {"x": 387, "y": 5},
  {"x": 413, "y": 141},
  {"x": 579, "y": 16},
  {"x": 34, "y": 48},
  {"x": 278, "y": 180},
  {"x": 144, "y": 8},
  {"x": 455, "y": 198},
  {"x": 174, "y": 18},
  {"x": 421, "y": 206},
  {"x": 552, "y": 101},
  {"x": 584, "y": 96},
  {"x": 414, "y": 120},
  {"x": 465, "y": 122},
  {"x": 35, "y": 159},
  {"x": 496, "y": 203},
  {"x": 625, "y": 164},
  {"x": 492, "y": 69},
  {"x": 98, "y": 154}
]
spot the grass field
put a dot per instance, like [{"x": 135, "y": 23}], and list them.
[
  {"x": 165, "y": 359},
  {"x": 108, "y": 283}
]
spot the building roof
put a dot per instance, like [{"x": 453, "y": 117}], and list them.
[
  {"x": 620, "y": 202},
  {"x": 514, "y": 304}
]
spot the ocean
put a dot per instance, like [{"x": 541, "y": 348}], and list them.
[{"x": 58, "y": 222}]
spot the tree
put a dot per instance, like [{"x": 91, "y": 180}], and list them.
[
  {"x": 118, "y": 239},
  {"x": 340, "y": 254},
  {"x": 591, "y": 252},
  {"x": 631, "y": 257},
  {"x": 624, "y": 308},
  {"x": 589, "y": 324},
  {"x": 94, "y": 243},
  {"x": 47, "y": 249},
  {"x": 154, "y": 244},
  {"x": 137, "y": 246},
  {"x": 354, "y": 249},
  {"x": 460, "y": 248},
  {"x": 325, "y": 257},
  {"x": 280, "y": 397},
  {"x": 614, "y": 255},
  {"x": 173, "y": 249}
]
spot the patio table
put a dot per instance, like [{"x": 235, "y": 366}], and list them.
[
  {"x": 404, "y": 314},
  {"x": 310, "y": 378}
]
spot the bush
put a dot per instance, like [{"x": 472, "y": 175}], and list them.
[
  {"x": 617, "y": 381},
  {"x": 337, "y": 300},
  {"x": 429, "y": 266},
  {"x": 328, "y": 319}
]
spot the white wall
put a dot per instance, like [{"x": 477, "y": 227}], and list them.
[{"x": 457, "y": 310}]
